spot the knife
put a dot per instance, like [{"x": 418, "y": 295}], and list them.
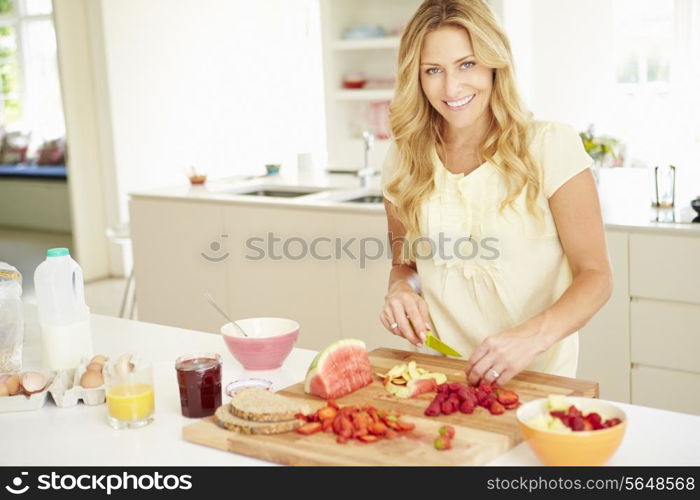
[{"x": 438, "y": 345}]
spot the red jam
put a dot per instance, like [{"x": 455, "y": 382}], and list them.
[{"x": 199, "y": 379}]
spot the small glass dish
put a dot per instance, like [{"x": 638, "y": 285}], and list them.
[{"x": 233, "y": 387}]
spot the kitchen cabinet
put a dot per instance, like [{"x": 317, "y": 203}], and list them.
[
  {"x": 271, "y": 271},
  {"x": 667, "y": 389},
  {"x": 648, "y": 328},
  {"x": 665, "y": 267},
  {"x": 364, "y": 282},
  {"x": 664, "y": 319},
  {"x": 604, "y": 343},
  {"x": 666, "y": 334},
  {"x": 170, "y": 239}
]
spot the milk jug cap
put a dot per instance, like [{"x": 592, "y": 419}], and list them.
[{"x": 57, "y": 252}]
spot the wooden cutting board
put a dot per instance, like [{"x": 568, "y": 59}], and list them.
[{"x": 480, "y": 437}]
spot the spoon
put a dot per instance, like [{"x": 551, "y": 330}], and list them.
[{"x": 210, "y": 299}]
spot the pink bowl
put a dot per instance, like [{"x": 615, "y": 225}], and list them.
[{"x": 269, "y": 341}]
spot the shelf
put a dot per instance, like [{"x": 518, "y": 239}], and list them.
[
  {"x": 365, "y": 95},
  {"x": 388, "y": 42}
]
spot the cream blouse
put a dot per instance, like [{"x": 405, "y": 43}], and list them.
[{"x": 511, "y": 269}]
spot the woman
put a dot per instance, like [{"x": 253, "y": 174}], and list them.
[{"x": 498, "y": 241}]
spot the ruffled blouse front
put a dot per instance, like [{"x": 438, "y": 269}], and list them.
[{"x": 483, "y": 271}]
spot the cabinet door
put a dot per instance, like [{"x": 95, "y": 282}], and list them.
[
  {"x": 363, "y": 274},
  {"x": 272, "y": 269},
  {"x": 170, "y": 241},
  {"x": 666, "y": 334},
  {"x": 665, "y": 267},
  {"x": 666, "y": 389},
  {"x": 604, "y": 353}
]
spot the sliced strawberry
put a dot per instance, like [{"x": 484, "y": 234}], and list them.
[
  {"x": 391, "y": 434},
  {"x": 577, "y": 424},
  {"x": 310, "y": 428},
  {"x": 443, "y": 388},
  {"x": 506, "y": 397},
  {"x": 574, "y": 412},
  {"x": 327, "y": 412},
  {"x": 612, "y": 422},
  {"x": 392, "y": 424},
  {"x": 405, "y": 426},
  {"x": 341, "y": 439},
  {"x": 331, "y": 403},
  {"x": 368, "y": 438},
  {"x": 496, "y": 408},
  {"x": 512, "y": 406},
  {"x": 378, "y": 429},
  {"x": 594, "y": 418},
  {"x": 346, "y": 428},
  {"x": 327, "y": 425}
]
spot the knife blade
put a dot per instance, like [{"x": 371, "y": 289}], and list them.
[{"x": 438, "y": 345}]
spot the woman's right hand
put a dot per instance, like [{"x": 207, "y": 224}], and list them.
[{"x": 405, "y": 313}]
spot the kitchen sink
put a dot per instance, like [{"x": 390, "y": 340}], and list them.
[
  {"x": 370, "y": 198},
  {"x": 276, "y": 193}
]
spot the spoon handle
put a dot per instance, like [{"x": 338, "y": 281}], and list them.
[{"x": 211, "y": 301}]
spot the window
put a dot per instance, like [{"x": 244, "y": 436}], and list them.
[
  {"x": 30, "y": 97},
  {"x": 643, "y": 42}
]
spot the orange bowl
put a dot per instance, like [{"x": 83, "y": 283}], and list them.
[{"x": 572, "y": 448}]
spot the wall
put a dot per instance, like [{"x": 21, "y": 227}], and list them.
[
  {"x": 224, "y": 85},
  {"x": 151, "y": 88}
]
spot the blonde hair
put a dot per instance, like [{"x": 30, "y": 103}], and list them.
[{"x": 416, "y": 126}]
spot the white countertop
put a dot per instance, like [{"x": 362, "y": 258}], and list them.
[
  {"x": 624, "y": 196},
  {"x": 53, "y": 436}
]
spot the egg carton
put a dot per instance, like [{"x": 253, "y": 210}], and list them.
[
  {"x": 66, "y": 390},
  {"x": 22, "y": 402}
]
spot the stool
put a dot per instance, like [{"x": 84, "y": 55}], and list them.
[{"x": 120, "y": 235}]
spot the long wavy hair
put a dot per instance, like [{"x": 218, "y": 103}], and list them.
[{"x": 417, "y": 127}]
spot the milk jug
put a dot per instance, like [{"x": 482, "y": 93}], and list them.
[{"x": 63, "y": 316}]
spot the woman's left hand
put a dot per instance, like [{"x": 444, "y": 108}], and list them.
[{"x": 502, "y": 356}]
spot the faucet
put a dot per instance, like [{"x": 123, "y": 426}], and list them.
[{"x": 367, "y": 172}]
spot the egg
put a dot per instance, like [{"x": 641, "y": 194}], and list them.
[
  {"x": 33, "y": 382},
  {"x": 99, "y": 358},
  {"x": 4, "y": 391},
  {"x": 123, "y": 366},
  {"x": 12, "y": 383},
  {"x": 94, "y": 367},
  {"x": 91, "y": 379}
]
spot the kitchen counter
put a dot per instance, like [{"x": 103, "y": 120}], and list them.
[
  {"x": 623, "y": 194},
  {"x": 53, "y": 436}
]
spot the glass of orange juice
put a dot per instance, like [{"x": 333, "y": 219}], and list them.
[{"x": 130, "y": 397}]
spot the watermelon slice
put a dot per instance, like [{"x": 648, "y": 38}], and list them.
[{"x": 339, "y": 369}]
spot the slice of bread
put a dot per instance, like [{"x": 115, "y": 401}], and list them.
[
  {"x": 259, "y": 405},
  {"x": 224, "y": 418}
]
